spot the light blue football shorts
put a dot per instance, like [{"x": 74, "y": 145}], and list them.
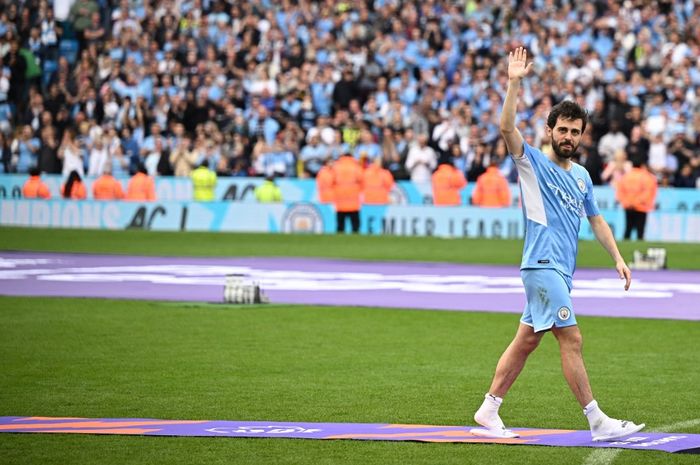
[{"x": 548, "y": 299}]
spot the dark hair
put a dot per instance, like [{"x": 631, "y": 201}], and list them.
[
  {"x": 68, "y": 189},
  {"x": 567, "y": 110},
  {"x": 34, "y": 171}
]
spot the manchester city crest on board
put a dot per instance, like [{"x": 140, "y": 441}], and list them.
[{"x": 302, "y": 217}]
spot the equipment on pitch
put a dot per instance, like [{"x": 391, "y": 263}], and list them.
[
  {"x": 238, "y": 290},
  {"x": 653, "y": 259}
]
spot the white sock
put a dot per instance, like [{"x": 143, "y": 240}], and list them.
[
  {"x": 493, "y": 401},
  {"x": 594, "y": 414},
  {"x": 487, "y": 415}
]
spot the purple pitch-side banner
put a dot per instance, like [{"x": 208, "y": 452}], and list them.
[
  {"x": 667, "y": 442},
  {"x": 598, "y": 292}
]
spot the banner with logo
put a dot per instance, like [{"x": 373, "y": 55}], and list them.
[
  {"x": 304, "y": 190},
  {"x": 310, "y": 217}
]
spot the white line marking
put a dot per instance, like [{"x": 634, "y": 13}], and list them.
[{"x": 607, "y": 456}]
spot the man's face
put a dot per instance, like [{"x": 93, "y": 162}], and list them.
[{"x": 566, "y": 136}]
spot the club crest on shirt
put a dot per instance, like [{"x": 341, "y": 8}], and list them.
[
  {"x": 581, "y": 185},
  {"x": 564, "y": 313}
]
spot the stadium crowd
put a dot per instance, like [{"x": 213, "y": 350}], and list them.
[{"x": 261, "y": 87}]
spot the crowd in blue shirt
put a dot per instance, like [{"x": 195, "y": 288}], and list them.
[{"x": 281, "y": 88}]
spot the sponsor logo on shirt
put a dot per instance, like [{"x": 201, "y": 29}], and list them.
[{"x": 567, "y": 200}]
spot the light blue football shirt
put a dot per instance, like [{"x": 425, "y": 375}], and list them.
[{"x": 554, "y": 201}]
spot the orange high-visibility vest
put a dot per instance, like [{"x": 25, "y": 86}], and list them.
[
  {"x": 347, "y": 184},
  {"x": 35, "y": 188},
  {"x": 107, "y": 188},
  {"x": 141, "y": 187},
  {"x": 448, "y": 181},
  {"x": 78, "y": 192},
  {"x": 378, "y": 182},
  {"x": 636, "y": 190},
  {"x": 324, "y": 184},
  {"x": 491, "y": 189}
]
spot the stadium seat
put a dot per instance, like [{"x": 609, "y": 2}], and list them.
[
  {"x": 49, "y": 68},
  {"x": 68, "y": 48}
]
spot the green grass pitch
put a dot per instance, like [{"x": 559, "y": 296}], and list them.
[{"x": 106, "y": 358}]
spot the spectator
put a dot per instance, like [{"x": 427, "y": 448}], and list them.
[
  {"x": 345, "y": 90},
  {"x": 80, "y": 18},
  {"x": 99, "y": 157},
  {"x": 617, "y": 168},
  {"x": 613, "y": 141},
  {"x": 313, "y": 155},
  {"x": 34, "y": 187},
  {"x": 25, "y": 149},
  {"x": 421, "y": 160},
  {"x": 638, "y": 147},
  {"x": 71, "y": 154},
  {"x": 590, "y": 158},
  {"x": 5, "y": 154},
  {"x": 182, "y": 159},
  {"x": 367, "y": 151},
  {"x": 49, "y": 161},
  {"x": 415, "y": 70},
  {"x": 492, "y": 189},
  {"x": 479, "y": 160},
  {"x": 73, "y": 188},
  {"x": 106, "y": 187}
]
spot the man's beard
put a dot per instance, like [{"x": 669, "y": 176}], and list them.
[{"x": 564, "y": 152}]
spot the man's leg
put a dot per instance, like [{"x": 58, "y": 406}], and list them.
[
  {"x": 629, "y": 223},
  {"x": 570, "y": 343},
  {"x": 641, "y": 225},
  {"x": 340, "y": 219},
  {"x": 513, "y": 359},
  {"x": 603, "y": 428},
  {"x": 508, "y": 368},
  {"x": 355, "y": 221}
]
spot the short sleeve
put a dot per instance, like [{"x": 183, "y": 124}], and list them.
[{"x": 536, "y": 157}]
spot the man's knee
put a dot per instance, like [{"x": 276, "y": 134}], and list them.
[
  {"x": 527, "y": 343},
  {"x": 569, "y": 338}
]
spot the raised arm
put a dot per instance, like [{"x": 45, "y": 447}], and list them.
[
  {"x": 602, "y": 232},
  {"x": 518, "y": 68}
]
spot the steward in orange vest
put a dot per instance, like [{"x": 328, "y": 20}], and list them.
[
  {"x": 324, "y": 182},
  {"x": 447, "y": 181},
  {"x": 106, "y": 187},
  {"x": 636, "y": 192},
  {"x": 378, "y": 182},
  {"x": 73, "y": 188},
  {"x": 491, "y": 189},
  {"x": 141, "y": 186},
  {"x": 34, "y": 187},
  {"x": 347, "y": 187}
]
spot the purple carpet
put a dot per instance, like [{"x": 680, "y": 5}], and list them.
[
  {"x": 599, "y": 292},
  {"x": 667, "y": 442}
]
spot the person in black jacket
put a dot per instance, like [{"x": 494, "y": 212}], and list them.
[{"x": 345, "y": 90}]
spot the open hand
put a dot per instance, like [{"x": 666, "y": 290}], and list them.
[
  {"x": 624, "y": 272},
  {"x": 518, "y": 67}
]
